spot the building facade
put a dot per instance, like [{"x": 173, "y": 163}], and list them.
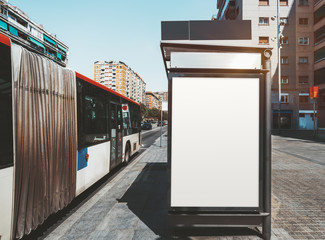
[
  {"x": 296, "y": 57},
  {"x": 152, "y": 101},
  {"x": 121, "y": 78},
  {"x": 319, "y": 58},
  {"x": 162, "y": 95},
  {"x": 21, "y": 30}
]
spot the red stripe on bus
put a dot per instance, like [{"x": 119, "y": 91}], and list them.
[
  {"x": 5, "y": 40},
  {"x": 103, "y": 87}
]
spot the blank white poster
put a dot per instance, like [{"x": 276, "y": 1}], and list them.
[{"x": 215, "y": 142}]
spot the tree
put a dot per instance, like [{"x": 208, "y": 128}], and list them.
[
  {"x": 154, "y": 113},
  {"x": 143, "y": 110},
  {"x": 165, "y": 115}
]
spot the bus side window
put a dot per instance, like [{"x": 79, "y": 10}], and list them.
[
  {"x": 93, "y": 121},
  {"x": 6, "y": 140}
]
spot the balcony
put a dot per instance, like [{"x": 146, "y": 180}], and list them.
[{"x": 230, "y": 13}]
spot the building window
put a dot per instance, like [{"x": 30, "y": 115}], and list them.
[
  {"x": 303, "y": 60},
  {"x": 284, "y": 60},
  {"x": 284, "y": 98},
  {"x": 319, "y": 55},
  {"x": 283, "y": 2},
  {"x": 303, "y": 41},
  {"x": 303, "y": 3},
  {"x": 319, "y": 34},
  {"x": 284, "y": 21},
  {"x": 303, "y": 98},
  {"x": 303, "y": 21},
  {"x": 303, "y": 79},
  {"x": 284, "y": 41},
  {"x": 322, "y": 99},
  {"x": 319, "y": 14},
  {"x": 284, "y": 79},
  {"x": 263, "y": 21},
  {"x": 263, "y": 2},
  {"x": 263, "y": 40},
  {"x": 3, "y": 11}
]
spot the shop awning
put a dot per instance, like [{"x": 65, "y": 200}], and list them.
[
  {"x": 58, "y": 55},
  {"x": 36, "y": 42},
  {"x": 62, "y": 48},
  {"x": 46, "y": 38},
  {"x": 3, "y": 25},
  {"x": 283, "y": 111},
  {"x": 13, "y": 30},
  {"x": 307, "y": 111}
]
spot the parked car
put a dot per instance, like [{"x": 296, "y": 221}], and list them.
[
  {"x": 159, "y": 123},
  {"x": 146, "y": 126}
]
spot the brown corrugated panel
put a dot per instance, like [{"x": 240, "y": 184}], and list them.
[{"x": 45, "y": 138}]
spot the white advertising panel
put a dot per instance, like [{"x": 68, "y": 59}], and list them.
[
  {"x": 215, "y": 142},
  {"x": 164, "y": 105},
  {"x": 216, "y": 60}
]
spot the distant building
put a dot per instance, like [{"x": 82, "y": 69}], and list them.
[
  {"x": 16, "y": 24},
  {"x": 152, "y": 101},
  {"x": 121, "y": 78},
  {"x": 162, "y": 95},
  {"x": 297, "y": 53}
]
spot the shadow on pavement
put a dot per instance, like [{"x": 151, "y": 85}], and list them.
[{"x": 147, "y": 199}]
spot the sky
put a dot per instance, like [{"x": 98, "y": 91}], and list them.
[{"x": 120, "y": 30}]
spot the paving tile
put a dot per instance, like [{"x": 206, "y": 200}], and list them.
[
  {"x": 117, "y": 234},
  {"x": 141, "y": 234},
  {"x": 133, "y": 205},
  {"x": 120, "y": 217}
]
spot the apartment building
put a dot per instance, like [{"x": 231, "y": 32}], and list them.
[
  {"x": 297, "y": 52},
  {"x": 121, "y": 78},
  {"x": 319, "y": 58},
  {"x": 16, "y": 24},
  {"x": 152, "y": 101}
]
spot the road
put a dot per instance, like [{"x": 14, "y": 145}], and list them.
[{"x": 148, "y": 138}]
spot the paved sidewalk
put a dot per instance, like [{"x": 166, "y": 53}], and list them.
[
  {"x": 133, "y": 204},
  {"x": 298, "y": 187}
]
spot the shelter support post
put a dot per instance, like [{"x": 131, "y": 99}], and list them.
[{"x": 267, "y": 156}]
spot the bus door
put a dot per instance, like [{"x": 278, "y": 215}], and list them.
[{"x": 116, "y": 135}]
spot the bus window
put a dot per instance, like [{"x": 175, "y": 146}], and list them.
[
  {"x": 6, "y": 140},
  {"x": 95, "y": 117},
  {"x": 126, "y": 121},
  {"x": 135, "y": 118},
  {"x": 93, "y": 127}
]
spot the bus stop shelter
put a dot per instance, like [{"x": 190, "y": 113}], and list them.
[{"x": 219, "y": 135}]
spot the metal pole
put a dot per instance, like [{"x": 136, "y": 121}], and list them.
[
  {"x": 266, "y": 227},
  {"x": 279, "y": 62},
  {"x": 314, "y": 100},
  {"x": 161, "y": 114},
  {"x": 316, "y": 113}
]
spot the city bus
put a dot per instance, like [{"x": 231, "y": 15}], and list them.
[{"x": 60, "y": 133}]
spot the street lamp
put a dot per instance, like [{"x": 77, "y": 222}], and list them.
[
  {"x": 161, "y": 118},
  {"x": 279, "y": 60},
  {"x": 278, "y": 37}
]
